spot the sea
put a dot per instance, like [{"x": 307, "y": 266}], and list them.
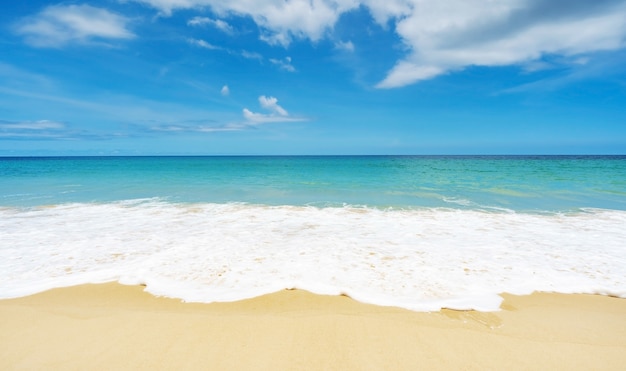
[{"x": 417, "y": 232}]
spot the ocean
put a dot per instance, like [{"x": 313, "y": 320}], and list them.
[{"x": 418, "y": 232}]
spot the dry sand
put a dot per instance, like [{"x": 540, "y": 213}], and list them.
[{"x": 115, "y": 327}]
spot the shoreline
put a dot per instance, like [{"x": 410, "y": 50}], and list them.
[{"x": 112, "y": 326}]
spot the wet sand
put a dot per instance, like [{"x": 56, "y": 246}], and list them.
[{"x": 116, "y": 327}]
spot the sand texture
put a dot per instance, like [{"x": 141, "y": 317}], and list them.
[{"x": 116, "y": 327}]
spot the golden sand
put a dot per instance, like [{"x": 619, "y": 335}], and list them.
[{"x": 115, "y": 327}]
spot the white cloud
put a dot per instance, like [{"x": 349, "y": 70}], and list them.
[
  {"x": 203, "y": 44},
  {"x": 261, "y": 118},
  {"x": 451, "y": 36},
  {"x": 347, "y": 46},
  {"x": 406, "y": 72},
  {"x": 217, "y": 23},
  {"x": 442, "y": 36},
  {"x": 280, "y": 21},
  {"x": 277, "y": 113},
  {"x": 251, "y": 55},
  {"x": 33, "y": 130},
  {"x": 384, "y": 11},
  {"x": 199, "y": 21},
  {"x": 59, "y": 25},
  {"x": 271, "y": 104},
  {"x": 258, "y": 118},
  {"x": 195, "y": 128},
  {"x": 283, "y": 64},
  {"x": 225, "y": 90},
  {"x": 31, "y": 125}
]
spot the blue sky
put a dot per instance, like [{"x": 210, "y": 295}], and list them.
[{"x": 209, "y": 77}]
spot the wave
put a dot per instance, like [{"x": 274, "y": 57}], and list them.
[{"x": 421, "y": 259}]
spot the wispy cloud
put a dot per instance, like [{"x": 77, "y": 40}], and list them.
[
  {"x": 132, "y": 117},
  {"x": 347, "y": 46},
  {"x": 261, "y": 118},
  {"x": 283, "y": 64},
  {"x": 203, "y": 44},
  {"x": 251, "y": 55},
  {"x": 277, "y": 113},
  {"x": 46, "y": 130},
  {"x": 31, "y": 125},
  {"x": 217, "y": 23},
  {"x": 252, "y": 120},
  {"x": 111, "y": 116},
  {"x": 605, "y": 66},
  {"x": 209, "y": 127},
  {"x": 59, "y": 25},
  {"x": 15, "y": 76}
]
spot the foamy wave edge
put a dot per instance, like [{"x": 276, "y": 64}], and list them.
[{"x": 364, "y": 260}]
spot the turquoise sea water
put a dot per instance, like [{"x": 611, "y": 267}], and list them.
[
  {"x": 520, "y": 183},
  {"x": 420, "y": 232}
]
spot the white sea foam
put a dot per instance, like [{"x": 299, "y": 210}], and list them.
[{"x": 422, "y": 259}]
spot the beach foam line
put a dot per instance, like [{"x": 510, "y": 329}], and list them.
[
  {"x": 423, "y": 259},
  {"x": 112, "y": 326}
]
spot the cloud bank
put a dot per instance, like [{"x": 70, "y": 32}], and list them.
[{"x": 442, "y": 36}]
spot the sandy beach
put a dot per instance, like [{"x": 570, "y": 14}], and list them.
[{"x": 116, "y": 327}]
